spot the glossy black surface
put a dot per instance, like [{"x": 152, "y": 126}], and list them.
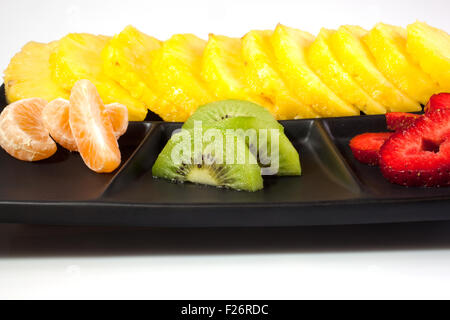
[{"x": 334, "y": 188}]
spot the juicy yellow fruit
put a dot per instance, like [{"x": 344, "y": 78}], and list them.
[
  {"x": 388, "y": 46},
  {"x": 127, "y": 59},
  {"x": 431, "y": 48},
  {"x": 29, "y": 75},
  {"x": 224, "y": 71},
  {"x": 177, "y": 65},
  {"x": 77, "y": 57},
  {"x": 325, "y": 65},
  {"x": 290, "y": 46},
  {"x": 356, "y": 59},
  {"x": 266, "y": 81}
]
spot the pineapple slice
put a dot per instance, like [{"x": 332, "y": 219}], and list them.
[
  {"x": 127, "y": 60},
  {"x": 178, "y": 67},
  {"x": 29, "y": 76},
  {"x": 223, "y": 69},
  {"x": 266, "y": 81},
  {"x": 431, "y": 48},
  {"x": 77, "y": 57},
  {"x": 290, "y": 47},
  {"x": 388, "y": 46},
  {"x": 356, "y": 59},
  {"x": 324, "y": 64}
]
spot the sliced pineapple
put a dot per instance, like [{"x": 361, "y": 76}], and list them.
[
  {"x": 29, "y": 76},
  {"x": 388, "y": 46},
  {"x": 290, "y": 47},
  {"x": 430, "y": 47},
  {"x": 127, "y": 59},
  {"x": 325, "y": 65},
  {"x": 356, "y": 59},
  {"x": 181, "y": 88},
  {"x": 223, "y": 70},
  {"x": 77, "y": 57},
  {"x": 266, "y": 81}
]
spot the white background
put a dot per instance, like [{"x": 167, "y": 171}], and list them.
[
  {"x": 393, "y": 261},
  {"x": 47, "y": 20}
]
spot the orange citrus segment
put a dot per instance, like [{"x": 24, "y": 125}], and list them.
[
  {"x": 92, "y": 129},
  {"x": 118, "y": 114},
  {"x": 56, "y": 119},
  {"x": 22, "y": 133}
]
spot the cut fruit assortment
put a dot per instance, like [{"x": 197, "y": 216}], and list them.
[
  {"x": 292, "y": 73},
  {"x": 418, "y": 152},
  {"x": 96, "y": 84},
  {"x": 82, "y": 124}
]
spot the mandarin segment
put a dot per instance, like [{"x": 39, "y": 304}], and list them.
[
  {"x": 55, "y": 117},
  {"x": 92, "y": 129},
  {"x": 22, "y": 133},
  {"x": 118, "y": 114}
]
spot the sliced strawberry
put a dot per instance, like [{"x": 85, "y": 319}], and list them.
[
  {"x": 366, "y": 147},
  {"x": 397, "y": 121},
  {"x": 438, "y": 101},
  {"x": 419, "y": 155}
]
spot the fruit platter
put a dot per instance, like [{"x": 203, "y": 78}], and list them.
[{"x": 277, "y": 128}]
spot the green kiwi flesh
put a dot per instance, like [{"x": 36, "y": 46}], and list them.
[
  {"x": 204, "y": 169},
  {"x": 221, "y": 110},
  {"x": 289, "y": 159}
]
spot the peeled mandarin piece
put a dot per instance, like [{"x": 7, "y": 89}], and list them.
[
  {"x": 92, "y": 129},
  {"x": 56, "y": 119},
  {"x": 22, "y": 133},
  {"x": 118, "y": 114}
]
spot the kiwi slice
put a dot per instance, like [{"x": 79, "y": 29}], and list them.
[
  {"x": 288, "y": 157},
  {"x": 221, "y": 110},
  {"x": 209, "y": 165}
]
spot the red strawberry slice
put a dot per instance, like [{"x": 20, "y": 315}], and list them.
[
  {"x": 366, "y": 147},
  {"x": 419, "y": 155},
  {"x": 438, "y": 101},
  {"x": 397, "y": 121}
]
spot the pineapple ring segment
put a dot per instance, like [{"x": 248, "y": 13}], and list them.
[{"x": 292, "y": 73}]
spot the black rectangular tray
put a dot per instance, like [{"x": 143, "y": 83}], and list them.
[{"x": 334, "y": 189}]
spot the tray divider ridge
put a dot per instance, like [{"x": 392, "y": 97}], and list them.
[
  {"x": 137, "y": 163},
  {"x": 348, "y": 174}
]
